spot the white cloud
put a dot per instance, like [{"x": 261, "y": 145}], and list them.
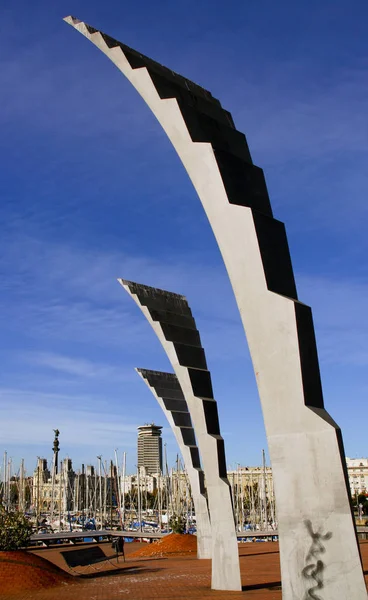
[
  {"x": 88, "y": 424},
  {"x": 31, "y": 415},
  {"x": 60, "y": 292},
  {"x": 75, "y": 298},
  {"x": 79, "y": 367}
]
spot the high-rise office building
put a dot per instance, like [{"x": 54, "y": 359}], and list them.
[{"x": 150, "y": 448}]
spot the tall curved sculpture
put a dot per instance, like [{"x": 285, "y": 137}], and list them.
[
  {"x": 318, "y": 544},
  {"x": 168, "y": 393},
  {"x": 171, "y": 319}
]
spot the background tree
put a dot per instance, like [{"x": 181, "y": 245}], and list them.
[
  {"x": 363, "y": 500},
  {"x": 14, "y": 494},
  {"x": 15, "y": 530},
  {"x": 177, "y": 523},
  {"x": 27, "y": 495}
]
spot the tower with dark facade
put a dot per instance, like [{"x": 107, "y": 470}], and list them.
[{"x": 150, "y": 448}]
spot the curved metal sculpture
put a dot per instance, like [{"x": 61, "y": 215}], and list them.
[
  {"x": 171, "y": 319},
  {"x": 168, "y": 393},
  {"x": 305, "y": 444}
]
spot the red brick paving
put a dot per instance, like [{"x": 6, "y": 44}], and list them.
[
  {"x": 169, "y": 545},
  {"x": 167, "y": 578},
  {"x": 22, "y": 570}
]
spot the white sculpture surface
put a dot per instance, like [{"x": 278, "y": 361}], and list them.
[
  {"x": 319, "y": 552},
  {"x": 171, "y": 319},
  {"x": 166, "y": 389}
]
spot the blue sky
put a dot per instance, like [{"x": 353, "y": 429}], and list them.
[{"x": 92, "y": 190}]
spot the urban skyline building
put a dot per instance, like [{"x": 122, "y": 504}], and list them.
[
  {"x": 90, "y": 491},
  {"x": 149, "y": 448}
]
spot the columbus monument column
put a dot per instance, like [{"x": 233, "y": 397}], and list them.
[{"x": 318, "y": 545}]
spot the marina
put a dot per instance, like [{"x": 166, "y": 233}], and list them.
[{"x": 103, "y": 497}]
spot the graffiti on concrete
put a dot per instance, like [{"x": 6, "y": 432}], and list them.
[{"x": 314, "y": 569}]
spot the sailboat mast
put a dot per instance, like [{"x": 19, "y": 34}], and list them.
[
  {"x": 265, "y": 488},
  {"x": 118, "y": 487},
  {"x": 159, "y": 497},
  {"x": 105, "y": 491},
  {"x": 38, "y": 492},
  {"x": 123, "y": 499},
  {"x": 95, "y": 494},
  {"x": 87, "y": 491},
  {"x": 4, "y": 479},
  {"x": 110, "y": 490},
  {"x": 21, "y": 487},
  {"x": 100, "y": 488},
  {"x": 60, "y": 493},
  {"x": 139, "y": 501}
]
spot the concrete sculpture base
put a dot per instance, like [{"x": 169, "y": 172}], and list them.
[
  {"x": 318, "y": 546},
  {"x": 167, "y": 391},
  {"x": 171, "y": 319}
]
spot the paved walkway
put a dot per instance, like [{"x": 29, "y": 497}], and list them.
[{"x": 168, "y": 578}]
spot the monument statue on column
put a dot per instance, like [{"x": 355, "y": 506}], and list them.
[{"x": 56, "y": 448}]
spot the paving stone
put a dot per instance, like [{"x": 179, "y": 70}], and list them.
[{"x": 166, "y": 578}]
